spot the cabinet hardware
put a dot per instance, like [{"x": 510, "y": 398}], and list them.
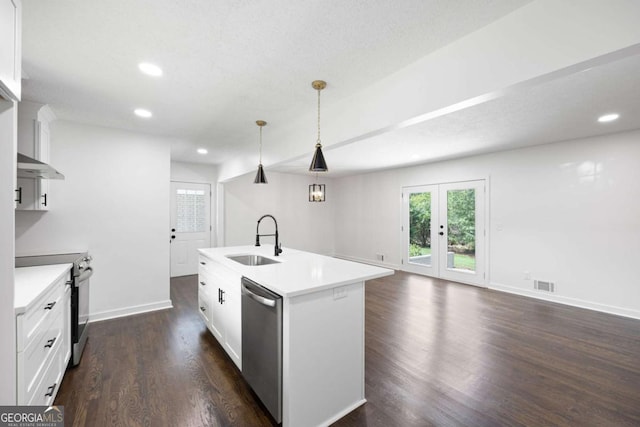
[
  {"x": 50, "y": 342},
  {"x": 203, "y": 309},
  {"x": 202, "y": 283},
  {"x": 221, "y": 296},
  {"x": 50, "y": 305},
  {"x": 50, "y": 390},
  {"x": 203, "y": 263},
  {"x": 44, "y": 196},
  {"x": 19, "y": 199}
]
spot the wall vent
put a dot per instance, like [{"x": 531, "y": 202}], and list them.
[{"x": 542, "y": 285}]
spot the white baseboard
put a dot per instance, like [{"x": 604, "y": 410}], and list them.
[
  {"x": 574, "y": 302},
  {"x": 368, "y": 261},
  {"x": 129, "y": 311}
]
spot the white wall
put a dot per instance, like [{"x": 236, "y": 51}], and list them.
[
  {"x": 8, "y": 124},
  {"x": 115, "y": 203},
  {"x": 567, "y": 212},
  {"x": 202, "y": 174},
  {"x": 301, "y": 224}
]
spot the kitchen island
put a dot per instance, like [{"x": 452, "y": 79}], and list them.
[{"x": 322, "y": 324}]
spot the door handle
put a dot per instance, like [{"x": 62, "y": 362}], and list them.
[
  {"x": 173, "y": 237},
  {"x": 441, "y": 233},
  {"x": 50, "y": 342}
]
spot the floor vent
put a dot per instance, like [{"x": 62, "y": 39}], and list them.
[{"x": 541, "y": 285}]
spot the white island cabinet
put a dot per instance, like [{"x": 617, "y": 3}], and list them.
[{"x": 322, "y": 326}]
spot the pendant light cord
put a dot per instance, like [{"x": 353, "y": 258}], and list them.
[
  {"x": 260, "y": 144},
  {"x": 318, "y": 141}
]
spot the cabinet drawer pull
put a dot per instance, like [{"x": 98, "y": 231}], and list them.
[
  {"x": 203, "y": 309},
  {"x": 50, "y": 305},
  {"x": 19, "y": 199},
  {"x": 50, "y": 342},
  {"x": 50, "y": 390},
  {"x": 222, "y": 296},
  {"x": 203, "y": 284},
  {"x": 44, "y": 196}
]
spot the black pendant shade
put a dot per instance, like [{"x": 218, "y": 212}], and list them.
[
  {"x": 261, "y": 178},
  {"x": 318, "y": 164}
]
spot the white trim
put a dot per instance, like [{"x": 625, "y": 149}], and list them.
[
  {"x": 574, "y": 302},
  {"x": 129, "y": 311}
]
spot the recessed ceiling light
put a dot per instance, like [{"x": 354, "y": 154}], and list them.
[
  {"x": 608, "y": 117},
  {"x": 150, "y": 69},
  {"x": 202, "y": 151},
  {"x": 141, "y": 112}
]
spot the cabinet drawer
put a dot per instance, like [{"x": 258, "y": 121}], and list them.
[
  {"x": 39, "y": 316},
  {"x": 39, "y": 353},
  {"x": 204, "y": 307},
  {"x": 45, "y": 392},
  {"x": 205, "y": 265},
  {"x": 205, "y": 283}
]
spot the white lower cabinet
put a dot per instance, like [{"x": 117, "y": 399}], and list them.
[
  {"x": 43, "y": 335},
  {"x": 219, "y": 294}
]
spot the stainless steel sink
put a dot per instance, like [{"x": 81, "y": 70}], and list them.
[{"x": 252, "y": 259}]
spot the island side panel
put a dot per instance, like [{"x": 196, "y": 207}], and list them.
[{"x": 323, "y": 355}]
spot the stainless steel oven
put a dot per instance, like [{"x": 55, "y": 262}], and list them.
[{"x": 80, "y": 274}]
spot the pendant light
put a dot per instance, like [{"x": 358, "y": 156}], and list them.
[
  {"x": 318, "y": 163},
  {"x": 261, "y": 178},
  {"x": 317, "y": 192}
]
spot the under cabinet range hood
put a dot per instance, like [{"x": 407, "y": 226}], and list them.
[{"x": 32, "y": 168}]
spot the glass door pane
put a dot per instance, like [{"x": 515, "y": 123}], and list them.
[
  {"x": 461, "y": 229},
  {"x": 420, "y": 206},
  {"x": 420, "y": 228}
]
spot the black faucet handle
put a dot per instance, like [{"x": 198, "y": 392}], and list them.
[
  {"x": 279, "y": 248},
  {"x": 257, "y": 240}
]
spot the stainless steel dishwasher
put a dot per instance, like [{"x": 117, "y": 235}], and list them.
[{"x": 262, "y": 344}]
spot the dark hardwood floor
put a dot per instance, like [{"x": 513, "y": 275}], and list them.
[{"x": 437, "y": 354}]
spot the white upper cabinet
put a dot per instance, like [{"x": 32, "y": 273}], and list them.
[
  {"x": 33, "y": 141},
  {"x": 10, "y": 49}
]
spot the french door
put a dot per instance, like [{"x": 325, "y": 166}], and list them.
[{"x": 444, "y": 231}]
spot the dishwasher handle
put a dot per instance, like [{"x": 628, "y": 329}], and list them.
[{"x": 260, "y": 299}]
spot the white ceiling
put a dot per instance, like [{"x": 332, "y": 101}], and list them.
[
  {"x": 229, "y": 63},
  {"x": 557, "y": 110}
]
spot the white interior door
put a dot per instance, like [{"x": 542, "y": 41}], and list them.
[
  {"x": 444, "y": 231},
  {"x": 190, "y": 225}
]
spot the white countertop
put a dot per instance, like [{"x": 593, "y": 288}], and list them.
[
  {"x": 297, "y": 272},
  {"x": 31, "y": 282}
]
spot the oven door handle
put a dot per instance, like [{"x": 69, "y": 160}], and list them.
[{"x": 86, "y": 273}]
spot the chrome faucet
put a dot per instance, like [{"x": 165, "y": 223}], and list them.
[{"x": 278, "y": 248}]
